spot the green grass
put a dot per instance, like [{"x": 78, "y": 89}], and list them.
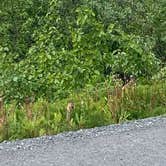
[{"x": 93, "y": 107}]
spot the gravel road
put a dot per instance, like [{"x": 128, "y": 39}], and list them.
[{"x": 137, "y": 143}]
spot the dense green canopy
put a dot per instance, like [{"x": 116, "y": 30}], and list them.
[{"x": 48, "y": 48}]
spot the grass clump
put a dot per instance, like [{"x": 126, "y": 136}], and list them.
[{"x": 99, "y": 106}]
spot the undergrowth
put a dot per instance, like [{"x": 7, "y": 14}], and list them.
[{"x": 102, "y": 105}]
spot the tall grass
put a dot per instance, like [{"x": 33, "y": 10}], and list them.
[{"x": 102, "y": 105}]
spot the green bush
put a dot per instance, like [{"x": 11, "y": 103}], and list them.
[
  {"x": 55, "y": 51},
  {"x": 90, "y": 54}
]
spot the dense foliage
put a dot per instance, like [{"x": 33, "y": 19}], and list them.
[
  {"x": 52, "y": 49},
  {"x": 49, "y": 47}
]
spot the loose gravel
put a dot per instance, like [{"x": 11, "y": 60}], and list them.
[{"x": 141, "y": 142}]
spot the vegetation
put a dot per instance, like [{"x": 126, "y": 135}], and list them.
[
  {"x": 98, "y": 106},
  {"x": 56, "y": 51}
]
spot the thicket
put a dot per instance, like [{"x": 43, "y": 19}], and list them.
[{"x": 52, "y": 49}]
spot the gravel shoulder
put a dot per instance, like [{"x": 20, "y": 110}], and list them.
[{"x": 136, "y": 143}]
